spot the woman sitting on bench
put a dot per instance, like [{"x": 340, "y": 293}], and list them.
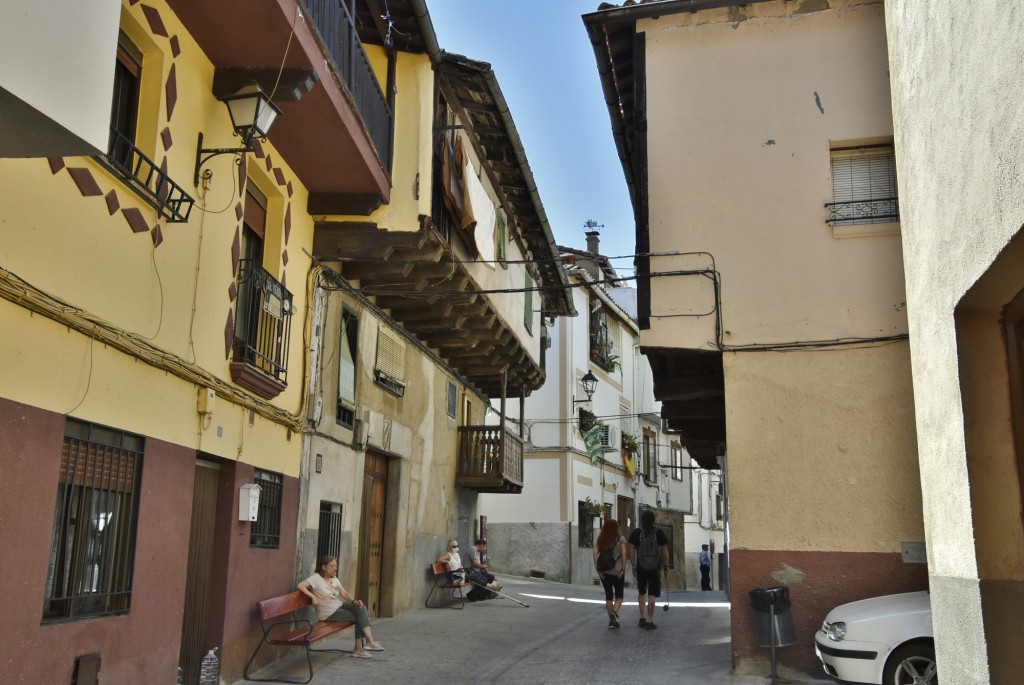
[{"x": 334, "y": 603}]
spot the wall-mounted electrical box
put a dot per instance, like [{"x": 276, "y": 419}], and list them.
[
  {"x": 249, "y": 502},
  {"x": 207, "y": 401}
]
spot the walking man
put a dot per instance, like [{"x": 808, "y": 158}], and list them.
[
  {"x": 648, "y": 552},
  {"x": 705, "y": 569}
]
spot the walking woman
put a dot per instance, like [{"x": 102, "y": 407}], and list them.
[
  {"x": 610, "y": 562},
  {"x": 334, "y": 603}
]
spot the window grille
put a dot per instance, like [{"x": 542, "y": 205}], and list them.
[
  {"x": 266, "y": 530},
  {"x": 329, "y": 536},
  {"x": 863, "y": 186},
  {"x": 92, "y": 553}
]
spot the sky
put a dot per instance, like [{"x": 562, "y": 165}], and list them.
[{"x": 544, "y": 63}]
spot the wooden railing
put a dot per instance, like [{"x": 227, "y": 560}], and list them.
[{"x": 490, "y": 461}]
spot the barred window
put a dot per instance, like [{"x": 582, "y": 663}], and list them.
[
  {"x": 329, "y": 536},
  {"x": 92, "y": 553},
  {"x": 266, "y": 530}
]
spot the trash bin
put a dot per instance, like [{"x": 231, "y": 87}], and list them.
[{"x": 763, "y": 600}]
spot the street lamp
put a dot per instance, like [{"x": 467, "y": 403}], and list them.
[
  {"x": 589, "y": 382},
  {"x": 252, "y": 114}
]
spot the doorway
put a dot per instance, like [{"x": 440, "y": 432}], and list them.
[
  {"x": 200, "y": 564},
  {"x": 371, "y": 532}
]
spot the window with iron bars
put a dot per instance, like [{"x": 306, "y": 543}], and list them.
[
  {"x": 266, "y": 530},
  {"x": 328, "y": 541},
  {"x": 92, "y": 554},
  {"x": 263, "y": 321}
]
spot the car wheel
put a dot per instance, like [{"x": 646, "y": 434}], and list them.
[{"x": 911, "y": 665}]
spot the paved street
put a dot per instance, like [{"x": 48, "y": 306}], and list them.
[{"x": 561, "y": 638}]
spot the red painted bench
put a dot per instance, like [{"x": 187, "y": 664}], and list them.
[
  {"x": 303, "y": 633},
  {"x": 443, "y": 582}
]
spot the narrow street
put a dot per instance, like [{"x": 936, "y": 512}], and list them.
[{"x": 563, "y": 637}]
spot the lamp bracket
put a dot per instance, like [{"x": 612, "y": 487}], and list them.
[{"x": 210, "y": 153}]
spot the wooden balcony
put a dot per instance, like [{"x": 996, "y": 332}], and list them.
[{"x": 490, "y": 461}]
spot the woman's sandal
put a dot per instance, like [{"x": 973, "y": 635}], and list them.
[
  {"x": 378, "y": 648},
  {"x": 360, "y": 655}
]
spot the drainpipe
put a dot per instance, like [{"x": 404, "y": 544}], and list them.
[{"x": 419, "y": 10}]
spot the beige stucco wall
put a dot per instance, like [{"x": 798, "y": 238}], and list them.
[
  {"x": 173, "y": 296},
  {"x": 956, "y": 69},
  {"x": 739, "y": 169},
  {"x": 822, "y": 450}
]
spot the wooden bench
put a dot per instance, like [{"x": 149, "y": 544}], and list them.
[
  {"x": 443, "y": 582},
  {"x": 302, "y": 632}
]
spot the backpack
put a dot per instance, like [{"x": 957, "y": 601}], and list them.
[
  {"x": 606, "y": 560},
  {"x": 647, "y": 552}
]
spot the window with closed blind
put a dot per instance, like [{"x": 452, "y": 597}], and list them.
[
  {"x": 389, "y": 369},
  {"x": 863, "y": 186}
]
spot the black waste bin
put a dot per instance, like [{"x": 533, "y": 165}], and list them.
[{"x": 763, "y": 600}]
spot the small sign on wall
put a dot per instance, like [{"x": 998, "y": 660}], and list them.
[{"x": 914, "y": 553}]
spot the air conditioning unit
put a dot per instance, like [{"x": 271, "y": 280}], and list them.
[{"x": 610, "y": 439}]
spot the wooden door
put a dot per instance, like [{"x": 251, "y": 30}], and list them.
[
  {"x": 200, "y": 564},
  {"x": 371, "y": 534},
  {"x": 624, "y": 515}
]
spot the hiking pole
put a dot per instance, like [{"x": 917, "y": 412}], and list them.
[{"x": 484, "y": 587}]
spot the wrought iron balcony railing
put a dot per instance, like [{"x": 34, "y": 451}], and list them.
[
  {"x": 490, "y": 459},
  {"x": 864, "y": 211},
  {"x": 334, "y": 21},
  {"x": 147, "y": 179},
  {"x": 263, "y": 322}
]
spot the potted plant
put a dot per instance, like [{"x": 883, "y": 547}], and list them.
[{"x": 593, "y": 508}]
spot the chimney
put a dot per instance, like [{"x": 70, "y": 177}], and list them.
[{"x": 594, "y": 242}]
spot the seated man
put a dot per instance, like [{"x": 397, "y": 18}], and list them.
[{"x": 479, "y": 572}]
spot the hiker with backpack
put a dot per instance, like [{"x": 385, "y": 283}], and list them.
[
  {"x": 648, "y": 552},
  {"x": 610, "y": 561}
]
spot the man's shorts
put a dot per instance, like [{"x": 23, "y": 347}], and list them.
[{"x": 648, "y": 582}]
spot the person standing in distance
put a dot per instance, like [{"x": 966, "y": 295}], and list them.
[
  {"x": 705, "y": 569},
  {"x": 648, "y": 553}
]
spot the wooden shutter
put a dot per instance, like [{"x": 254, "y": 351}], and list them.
[{"x": 390, "y": 354}]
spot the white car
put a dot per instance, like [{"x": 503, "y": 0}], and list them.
[{"x": 882, "y": 641}]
